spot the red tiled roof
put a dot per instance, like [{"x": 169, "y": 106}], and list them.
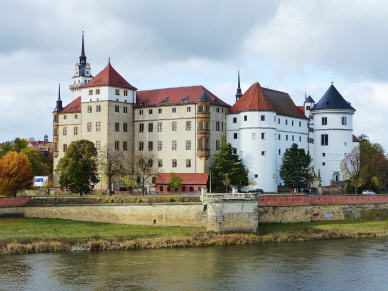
[
  {"x": 179, "y": 95},
  {"x": 73, "y": 107},
  {"x": 355, "y": 139},
  {"x": 187, "y": 178},
  {"x": 109, "y": 77},
  {"x": 257, "y": 98},
  {"x": 301, "y": 108}
]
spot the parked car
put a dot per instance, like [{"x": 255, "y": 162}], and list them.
[
  {"x": 256, "y": 191},
  {"x": 368, "y": 192}
]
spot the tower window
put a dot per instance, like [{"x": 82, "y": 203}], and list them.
[
  {"x": 262, "y": 117},
  {"x": 263, "y": 153},
  {"x": 307, "y": 107},
  {"x": 245, "y": 117},
  {"x": 324, "y": 139},
  {"x": 235, "y": 135},
  {"x": 292, "y": 123},
  {"x": 234, "y": 119},
  {"x": 117, "y": 91},
  {"x": 300, "y": 124},
  {"x": 263, "y": 135},
  {"x": 324, "y": 120},
  {"x": 343, "y": 120},
  {"x": 200, "y": 108}
]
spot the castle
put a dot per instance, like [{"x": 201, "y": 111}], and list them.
[{"x": 182, "y": 127}]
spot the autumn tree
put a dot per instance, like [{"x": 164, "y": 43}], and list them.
[
  {"x": 110, "y": 164},
  {"x": 175, "y": 181},
  {"x": 351, "y": 168},
  {"x": 139, "y": 171},
  {"x": 295, "y": 169},
  {"x": 227, "y": 163},
  {"x": 78, "y": 169},
  {"x": 15, "y": 173}
]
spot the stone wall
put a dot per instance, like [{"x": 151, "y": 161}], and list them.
[
  {"x": 308, "y": 213},
  {"x": 137, "y": 214}
]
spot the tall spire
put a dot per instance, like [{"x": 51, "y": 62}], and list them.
[
  {"x": 238, "y": 93},
  {"x": 59, "y": 106},
  {"x": 83, "y": 46}
]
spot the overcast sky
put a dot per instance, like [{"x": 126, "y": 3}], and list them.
[{"x": 294, "y": 46}]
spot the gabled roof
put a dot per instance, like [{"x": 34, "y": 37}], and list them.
[
  {"x": 187, "y": 178},
  {"x": 355, "y": 139},
  {"x": 332, "y": 99},
  {"x": 109, "y": 77},
  {"x": 309, "y": 99},
  {"x": 73, "y": 107},
  {"x": 175, "y": 96},
  {"x": 300, "y": 108},
  {"x": 257, "y": 98}
]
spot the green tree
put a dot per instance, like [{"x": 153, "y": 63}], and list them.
[
  {"x": 227, "y": 163},
  {"x": 295, "y": 167},
  {"x": 78, "y": 168},
  {"x": 175, "y": 182},
  {"x": 35, "y": 157},
  {"x": 6, "y": 147},
  {"x": 20, "y": 143}
]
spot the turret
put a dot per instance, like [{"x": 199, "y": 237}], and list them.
[
  {"x": 59, "y": 107},
  {"x": 203, "y": 128},
  {"x": 238, "y": 91},
  {"x": 308, "y": 105}
]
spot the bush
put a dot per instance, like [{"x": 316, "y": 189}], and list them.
[
  {"x": 170, "y": 199},
  {"x": 181, "y": 199},
  {"x": 138, "y": 200},
  {"x": 110, "y": 200}
]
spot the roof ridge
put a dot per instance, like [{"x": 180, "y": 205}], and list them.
[{"x": 168, "y": 88}]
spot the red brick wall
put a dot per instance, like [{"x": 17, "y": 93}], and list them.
[
  {"x": 285, "y": 200},
  {"x": 12, "y": 202}
]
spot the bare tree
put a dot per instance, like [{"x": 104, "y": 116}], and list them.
[
  {"x": 140, "y": 171},
  {"x": 351, "y": 168},
  {"x": 110, "y": 164}
]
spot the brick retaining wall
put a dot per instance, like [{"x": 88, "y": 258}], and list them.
[
  {"x": 288, "y": 200},
  {"x": 12, "y": 202}
]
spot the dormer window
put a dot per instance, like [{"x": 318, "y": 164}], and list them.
[{"x": 117, "y": 91}]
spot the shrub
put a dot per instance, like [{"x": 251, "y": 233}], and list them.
[
  {"x": 170, "y": 199},
  {"x": 138, "y": 200},
  {"x": 110, "y": 200},
  {"x": 181, "y": 199}
]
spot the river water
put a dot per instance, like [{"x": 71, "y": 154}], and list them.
[{"x": 314, "y": 265}]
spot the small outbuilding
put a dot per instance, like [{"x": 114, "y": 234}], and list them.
[{"x": 191, "y": 183}]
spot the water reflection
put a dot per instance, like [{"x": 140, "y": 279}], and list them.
[{"x": 337, "y": 265}]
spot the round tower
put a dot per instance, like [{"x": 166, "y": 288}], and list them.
[
  {"x": 203, "y": 128},
  {"x": 333, "y": 134}
]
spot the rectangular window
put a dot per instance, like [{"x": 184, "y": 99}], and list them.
[
  {"x": 64, "y": 131},
  {"x": 263, "y": 135},
  {"x": 245, "y": 117},
  {"x": 125, "y": 146},
  {"x": 125, "y": 127},
  {"x": 97, "y": 91},
  {"x": 262, "y": 117},
  {"x": 141, "y": 146},
  {"x": 188, "y": 145},
  {"x": 55, "y": 132},
  {"x": 117, "y": 108},
  {"x": 286, "y": 121},
  {"x": 235, "y": 135},
  {"x": 200, "y": 143},
  {"x": 89, "y": 109},
  {"x": 98, "y": 126},
  {"x": 200, "y": 108},
  {"x": 150, "y": 145},
  {"x": 278, "y": 120},
  {"x": 217, "y": 126},
  {"x": 279, "y": 136},
  {"x": 174, "y": 163},
  {"x": 324, "y": 120},
  {"x": 217, "y": 110},
  {"x": 117, "y": 145},
  {"x": 75, "y": 130},
  {"x": 188, "y": 163},
  {"x": 263, "y": 153},
  {"x": 300, "y": 138},
  {"x": 64, "y": 147},
  {"x": 222, "y": 126},
  {"x": 160, "y": 145},
  {"x": 125, "y": 92},
  {"x": 217, "y": 145},
  {"x": 160, "y": 163},
  {"x": 98, "y": 145},
  {"x": 188, "y": 125},
  {"x": 173, "y": 145},
  {"x": 300, "y": 124},
  {"x": 117, "y": 91},
  {"x": 150, "y": 127},
  {"x": 207, "y": 143},
  {"x": 292, "y": 122},
  {"x": 75, "y": 116},
  {"x": 292, "y": 138},
  {"x": 141, "y": 127},
  {"x": 89, "y": 126},
  {"x": 324, "y": 139},
  {"x": 117, "y": 127},
  {"x": 234, "y": 119},
  {"x": 149, "y": 111},
  {"x": 160, "y": 126},
  {"x": 173, "y": 126},
  {"x": 140, "y": 112},
  {"x": 188, "y": 109},
  {"x": 160, "y": 110},
  {"x": 90, "y": 92},
  {"x": 125, "y": 109},
  {"x": 98, "y": 108},
  {"x": 343, "y": 119},
  {"x": 173, "y": 110},
  {"x": 286, "y": 136},
  {"x": 64, "y": 117}
]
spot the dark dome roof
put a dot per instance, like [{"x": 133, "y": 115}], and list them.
[
  {"x": 332, "y": 99},
  {"x": 203, "y": 97},
  {"x": 309, "y": 100}
]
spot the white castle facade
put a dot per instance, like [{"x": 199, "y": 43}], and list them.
[{"x": 181, "y": 127}]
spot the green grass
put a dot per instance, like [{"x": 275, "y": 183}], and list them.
[{"x": 42, "y": 228}]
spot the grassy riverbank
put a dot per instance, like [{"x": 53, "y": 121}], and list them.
[{"x": 29, "y": 235}]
